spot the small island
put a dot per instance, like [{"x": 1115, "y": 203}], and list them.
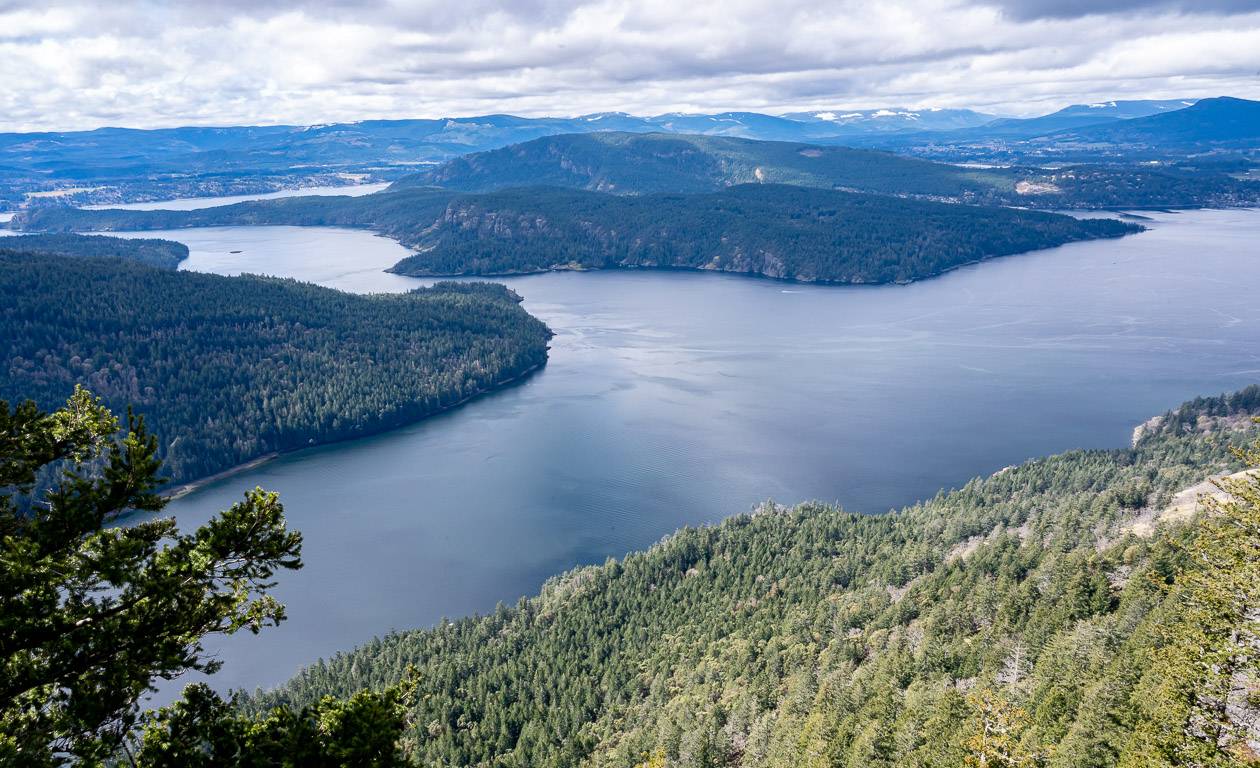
[{"x": 766, "y": 230}]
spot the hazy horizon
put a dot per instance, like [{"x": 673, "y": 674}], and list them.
[{"x": 557, "y": 116}]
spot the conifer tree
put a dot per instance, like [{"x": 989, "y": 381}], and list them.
[
  {"x": 92, "y": 611},
  {"x": 1197, "y": 701}
]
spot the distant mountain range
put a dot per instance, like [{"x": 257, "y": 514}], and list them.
[
  {"x": 384, "y": 143},
  {"x": 1076, "y": 116},
  {"x": 1125, "y": 109},
  {"x": 813, "y": 126},
  {"x": 1221, "y": 122},
  {"x": 850, "y": 121},
  {"x": 113, "y": 165},
  {"x": 1123, "y": 131}
]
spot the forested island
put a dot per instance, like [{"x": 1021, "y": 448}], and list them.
[
  {"x": 163, "y": 254},
  {"x": 1054, "y": 613},
  {"x": 228, "y": 369},
  {"x": 772, "y": 230}
]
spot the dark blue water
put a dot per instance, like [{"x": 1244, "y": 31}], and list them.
[{"x": 676, "y": 399}]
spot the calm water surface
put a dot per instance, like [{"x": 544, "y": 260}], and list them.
[{"x": 675, "y": 399}]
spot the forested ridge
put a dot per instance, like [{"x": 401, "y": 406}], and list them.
[
  {"x": 772, "y": 230},
  {"x": 396, "y": 214},
  {"x": 164, "y": 254},
  {"x": 639, "y": 163},
  {"x": 775, "y": 230},
  {"x": 636, "y": 164},
  {"x": 1025, "y": 619},
  {"x": 227, "y": 369}
]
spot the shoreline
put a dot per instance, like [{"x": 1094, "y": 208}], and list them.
[
  {"x": 560, "y": 268},
  {"x": 183, "y": 489}
]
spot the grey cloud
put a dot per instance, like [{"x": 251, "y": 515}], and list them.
[
  {"x": 409, "y": 14},
  {"x": 281, "y": 61},
  {"x": 1026, "y": 10}
]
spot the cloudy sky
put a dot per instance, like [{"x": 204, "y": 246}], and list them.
[{"x": 79, "y": 65}]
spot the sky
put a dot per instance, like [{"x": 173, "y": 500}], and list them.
[{"x": 81, "y": 65}]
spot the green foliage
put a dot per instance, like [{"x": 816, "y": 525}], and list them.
[
  {"x": 1204, "y": 414},
  {"x": 996, "y": 728},
  {"x": 1197, "y": 698},
  {"x": 164, "y": 254},
  {"x": 811, "y": 636},
  {"x": 92, "y": 611},
  {"x": 762, "y": 229},
  {"x": 203, "y": 730},
  {"x": 231, "y": 368}
]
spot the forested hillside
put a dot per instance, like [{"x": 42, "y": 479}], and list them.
[
  {"x": 164, "y": 254},
  {"x": 624, "y": 163},
  {"x": 635, "y": 163},
  {"x": 1028, "y": 618},
  {"x": 231, "y": 368},
  {"x": 772, "y": 230}
]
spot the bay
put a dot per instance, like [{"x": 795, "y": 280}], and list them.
[{"x": 675, "y": 399}]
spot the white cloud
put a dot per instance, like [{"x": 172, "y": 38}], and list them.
[{"x": 85, "y": 64}]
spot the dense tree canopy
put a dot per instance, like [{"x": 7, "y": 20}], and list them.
[
  {"x": 165, "y": 254},
  {"x": 205, "y": 731},
  {"x": 761, "y": 229},
  {"x": 1199, "y": 700},
  {"x": 227, "y": 369},
  {"x": 1018, "y": 620}
]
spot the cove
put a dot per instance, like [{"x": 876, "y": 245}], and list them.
[{"x": 675, "y": 399}]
